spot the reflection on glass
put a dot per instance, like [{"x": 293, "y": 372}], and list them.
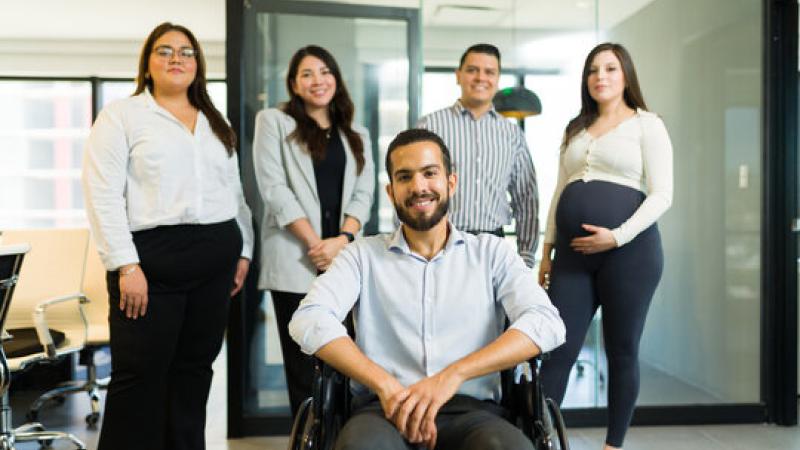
[{"x": 41, "y": 123}]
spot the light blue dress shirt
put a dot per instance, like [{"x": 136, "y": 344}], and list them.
[{"x": 414, "y": 317}]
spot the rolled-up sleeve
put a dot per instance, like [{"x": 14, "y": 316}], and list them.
[
  {"x": 526, "y": 304},
  {"x": 360, "y": 203},
  {"x": 318, "y": 319},
  {"x": 105, "y": 166},
  {"x": 270, "y": 171}
]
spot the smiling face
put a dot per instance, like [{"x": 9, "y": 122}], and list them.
[
  {"x": 315, "y": 83},
  {"x": 175, "y": 72},
  {"x": 420, "y": 187},
  {"x": 606, "y": 80},
  {"x": 478, "y": 78}
]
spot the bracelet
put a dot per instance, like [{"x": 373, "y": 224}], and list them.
[
  {"x": 350, "y": 237},
  {"x": 128, "y": 271}
]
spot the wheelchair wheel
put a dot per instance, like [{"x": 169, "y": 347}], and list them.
[
  {"x": 556, "y": 431},
  {"x": 301, "y": 422}
]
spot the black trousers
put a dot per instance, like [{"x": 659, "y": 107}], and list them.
[
  {"x": 463, "y": 423},
  {"x": 621, "y": 281},
  {"x": 161, "y": 363},
  {"x": 298, "y": 366}
]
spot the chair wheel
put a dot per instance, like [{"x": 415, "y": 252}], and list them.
[
  {"x": 92, "y": 419},
  {"x": 45, "y": 443}
]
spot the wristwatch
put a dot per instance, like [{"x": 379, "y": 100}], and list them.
[{"x": 350, "y": 237}]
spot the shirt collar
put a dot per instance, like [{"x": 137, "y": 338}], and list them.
[
  {"x": 459, "y": 108},
  {"x": 398, "y": 242},
  {"x": 151, "y": 104}
]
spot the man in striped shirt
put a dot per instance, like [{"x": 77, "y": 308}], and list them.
[{"x": 490, "y": 156}]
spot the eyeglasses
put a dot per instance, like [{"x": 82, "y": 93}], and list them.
[{"x": 167, "y": 52}]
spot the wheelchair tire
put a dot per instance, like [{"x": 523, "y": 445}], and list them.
[
  {"x": 296, "y": 438},
  {"x": 558, "y": 433}
]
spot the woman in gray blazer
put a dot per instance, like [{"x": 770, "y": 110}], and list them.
[{"x": 316, "y": 177}]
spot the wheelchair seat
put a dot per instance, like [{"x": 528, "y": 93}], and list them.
[{"x": 321, "y": 416}]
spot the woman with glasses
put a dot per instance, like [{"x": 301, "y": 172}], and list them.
[
  {"x": 314, "y": 171},
  {"x": 614, "y": 182},
  {"x": 165, "y": 204}
]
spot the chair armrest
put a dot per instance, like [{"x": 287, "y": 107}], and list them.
[{"x": 40, "y": 320}]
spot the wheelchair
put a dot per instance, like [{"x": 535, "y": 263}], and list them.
[{"x": 321, "y": 416}]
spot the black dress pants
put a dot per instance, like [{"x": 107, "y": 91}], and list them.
[
  {"x": 298, "y": 366},
  {"x": 463, "y": 423},
  {"x": 161, "y": 362}
]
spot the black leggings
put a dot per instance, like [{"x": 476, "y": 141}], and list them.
[{"x": 621, "y": 280}]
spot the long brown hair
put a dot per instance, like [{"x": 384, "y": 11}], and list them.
[
  {"x": 197, "y": 92},
  {"x": 632, "y": 95},
  {"x": 340, "y": 108}
]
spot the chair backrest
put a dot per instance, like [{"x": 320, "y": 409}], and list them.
[
  {"x": 54, "y": 267},
  {"x": 11, "y": 257},
  {"x": 94, "y": 288}
]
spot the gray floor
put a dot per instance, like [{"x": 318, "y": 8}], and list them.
[{"x": 69, "y": 417}]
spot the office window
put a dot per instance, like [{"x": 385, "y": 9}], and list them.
[{"x": 43, "y": 125}]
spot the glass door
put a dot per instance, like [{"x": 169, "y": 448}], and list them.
[{"x": 376, "y": 49}]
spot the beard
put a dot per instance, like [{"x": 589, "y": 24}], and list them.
[{"x": 422, "y": 222}]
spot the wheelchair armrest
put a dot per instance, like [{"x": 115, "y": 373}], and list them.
[{"x": 39, "y": 316}]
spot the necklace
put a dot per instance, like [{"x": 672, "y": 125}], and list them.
[{"x": 327, "y": 132}]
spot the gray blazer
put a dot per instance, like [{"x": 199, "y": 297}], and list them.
[{"x": 285, "y": 175}]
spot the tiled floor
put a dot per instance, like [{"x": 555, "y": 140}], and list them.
[{"x": 69, "y": 417}]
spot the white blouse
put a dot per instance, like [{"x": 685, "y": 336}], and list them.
[
  {"x": 143, "y": 168},
  {"x": 636, "y": 153}
]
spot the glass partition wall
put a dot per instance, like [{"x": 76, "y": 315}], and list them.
[{"x": 703, "y": 73}]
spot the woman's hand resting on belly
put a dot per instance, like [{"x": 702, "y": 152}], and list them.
[{"x": 600, "y": 240}]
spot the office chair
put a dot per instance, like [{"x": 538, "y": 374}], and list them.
[
  {"x": 96, "y": 309},
  {"x": 11, "y": 259},
  {"x": 46, "y": 319}
]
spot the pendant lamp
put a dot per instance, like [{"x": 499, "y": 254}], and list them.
[{"x": 517, "y": 102}]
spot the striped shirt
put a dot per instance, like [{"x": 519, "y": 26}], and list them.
[{"x": 493, "y": 163}]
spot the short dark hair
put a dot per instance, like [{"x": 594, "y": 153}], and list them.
[
  {"x": 488, "y": 49},
  {"x": 412, "y": 136}
]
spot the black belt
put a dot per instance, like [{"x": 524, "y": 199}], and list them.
[{"x": 498, "y": 232}]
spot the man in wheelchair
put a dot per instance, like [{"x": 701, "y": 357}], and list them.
[{"x": 429, "y": 309}]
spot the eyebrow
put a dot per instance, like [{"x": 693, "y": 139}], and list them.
[{"x": 421, "y": 169}]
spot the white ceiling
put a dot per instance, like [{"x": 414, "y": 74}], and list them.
[{"x": 122, "y": 19}]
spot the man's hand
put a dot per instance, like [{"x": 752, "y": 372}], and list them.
[
  {"x": 323, "y": 252},
  {"x": 414, "y": 410}
]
